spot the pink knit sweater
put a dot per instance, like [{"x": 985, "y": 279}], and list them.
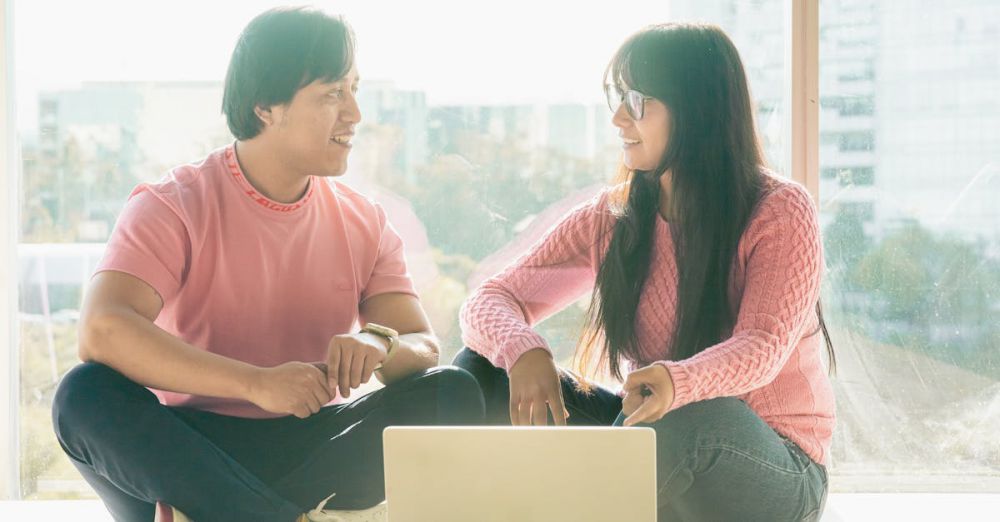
[{"x": 772, "y": 360}]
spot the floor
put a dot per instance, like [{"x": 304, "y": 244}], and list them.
[{"x": 841, "y": 507}]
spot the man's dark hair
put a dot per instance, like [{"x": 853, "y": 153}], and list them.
[{"x": 279, "y": 52}]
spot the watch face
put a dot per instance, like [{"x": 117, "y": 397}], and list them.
[
  {"x": 378, "y": 329},
  {"x": 383, "y": 331}
]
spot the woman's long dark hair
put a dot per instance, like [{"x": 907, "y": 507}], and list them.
[{"x": 717, "y": 176}]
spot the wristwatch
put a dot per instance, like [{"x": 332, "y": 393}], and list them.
[{"x": 386, "y": 333}]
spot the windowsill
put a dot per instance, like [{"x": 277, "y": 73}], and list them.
[{"x": 841, "y": 507}]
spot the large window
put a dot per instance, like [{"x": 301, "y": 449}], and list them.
[
  {"x": 909, "y": 193},
  {"x": 482, "y": 124}
]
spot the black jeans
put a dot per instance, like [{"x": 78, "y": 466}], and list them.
[
  {"x": 134, "y": 451},
  {"x": 715, "y": 459}
]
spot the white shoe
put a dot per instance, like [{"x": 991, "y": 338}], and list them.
[
  {"x": 167, "y": 513},
  {"x": 377, "y": 513}
]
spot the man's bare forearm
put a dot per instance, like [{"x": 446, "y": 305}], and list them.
[
  {"x": 148, "y": 355},
  {"x": 416, "y": 352}
]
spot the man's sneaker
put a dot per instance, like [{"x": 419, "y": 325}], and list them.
[
  {"x": 166, "y": 513},
  {"x": 373, "y": 514}
]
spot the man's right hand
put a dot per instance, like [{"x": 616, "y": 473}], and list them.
[
  {"x": 534, "y": 389},
  {"x": 293, "y": 388}
]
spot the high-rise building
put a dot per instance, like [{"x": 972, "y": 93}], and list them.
[
  {"x": 404, "y": 111},
  {"x": 569, "y": 126},
  {"x": 146, "y": 126},
  {"x": 849, "y": 149},
  {"x": 909, "y": 109},
  {"x": 937, "y": 114}
]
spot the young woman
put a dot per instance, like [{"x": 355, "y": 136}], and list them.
[{"x": 705, "y": 268}]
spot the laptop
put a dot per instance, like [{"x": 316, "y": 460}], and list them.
[{"x": 523, "y": 474}]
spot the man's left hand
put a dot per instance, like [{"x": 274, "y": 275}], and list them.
[{"x": 351, "y": 359}]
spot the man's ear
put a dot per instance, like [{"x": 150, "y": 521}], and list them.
[{"x": 265, "y": 115}]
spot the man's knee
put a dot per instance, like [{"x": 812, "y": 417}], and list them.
[
  {"x": 82, "y": 386},
  {"x": 490, "y": 378},
  {"x": 474, "y": 363},
  {"x": 85, "y": 395},
  {"x": 457, "y": 390},
  {"x": 451, "y": 377}
]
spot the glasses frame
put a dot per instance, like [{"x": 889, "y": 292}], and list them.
[{"x": 635, "y": 101}]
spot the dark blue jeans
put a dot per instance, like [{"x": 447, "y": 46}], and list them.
[
  {"x": 134, "y": 451},
  {"x": 715, "y": 459}
]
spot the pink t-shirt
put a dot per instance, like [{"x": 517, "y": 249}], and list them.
[{"x": 249, "y": 278}]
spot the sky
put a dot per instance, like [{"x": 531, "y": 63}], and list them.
[{"x": 458, "y": 52}]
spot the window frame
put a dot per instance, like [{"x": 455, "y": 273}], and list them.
[
  {"x": 9, "y": 201},
  {"x": 802, "y": 87}
]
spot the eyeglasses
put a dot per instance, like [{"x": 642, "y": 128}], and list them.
[{"x": 635, "y": 101}]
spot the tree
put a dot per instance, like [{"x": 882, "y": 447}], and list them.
[{"x": 942, "y": 292}]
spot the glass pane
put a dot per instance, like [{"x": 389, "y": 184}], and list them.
[
  {"x": 910, "y": 152},
  {"x": 507, "y": 132}
]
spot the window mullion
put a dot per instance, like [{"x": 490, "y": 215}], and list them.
[
  {"x": 802, "y": 88},
  {"x": 9, "y": 381}
]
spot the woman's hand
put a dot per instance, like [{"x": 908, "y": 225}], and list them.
[
  {"x": 649, "y": 393},
  {"x": 535, "y": 388}
]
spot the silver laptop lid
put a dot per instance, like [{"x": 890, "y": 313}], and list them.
[{"x": 506, "y": 474}]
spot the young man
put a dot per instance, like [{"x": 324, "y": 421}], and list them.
[{"x": 216, "y": 330}]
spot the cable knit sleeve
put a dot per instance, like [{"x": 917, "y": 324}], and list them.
[
  {"x": 783, "y": 271},
  {"x": 497, "y": 318}
]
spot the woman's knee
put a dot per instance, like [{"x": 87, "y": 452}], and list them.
[
  {"x": 705, "y": 413},
  {"x": 679, "y": 431}
]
